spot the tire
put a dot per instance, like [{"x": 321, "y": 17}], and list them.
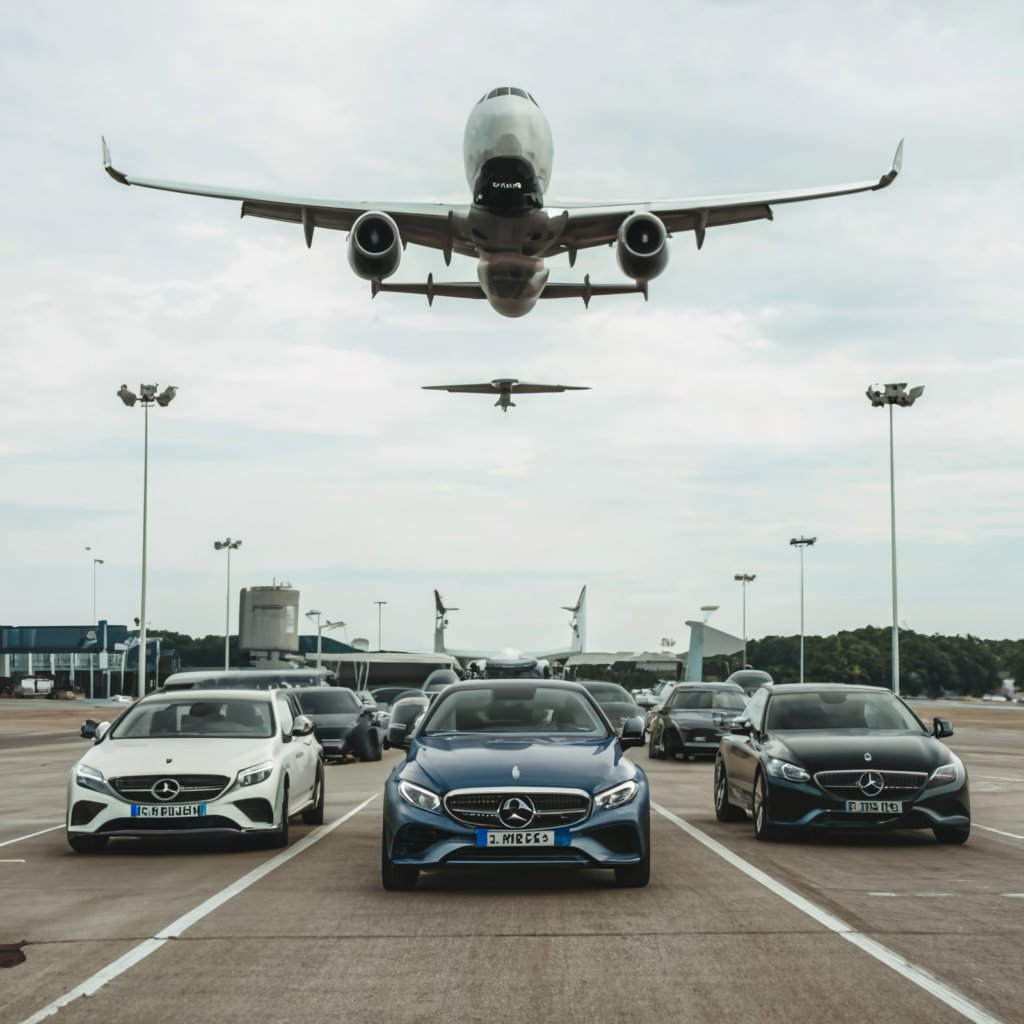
[
  {"x": 314, "y": 815},
  {"x": 634, "y": 876},
  {"x": 653, "y": 751},
  {"x": 393, "y": 878},
  {"x": 668, "y": 746},
  {"x": 762, "y": 830},
  {"x": 954, "y": 834},
  {"x": 279, "y": 837},
  {"x": 725, "y": 811},
  {"x": 374, "y": 745},
  {"x": 87, "y": 844}
]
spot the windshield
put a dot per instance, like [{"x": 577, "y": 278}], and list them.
[
  {"x": 215, "y": 719},
  {"x": 525, "y": 710},
  {"x": 836, "y": 710},
  {"x": 608, "y": 693},
  {"x": 719, "y": 700},
  {"x": 328, "y": 701}
]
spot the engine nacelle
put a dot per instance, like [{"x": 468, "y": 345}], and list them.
[
  {"x": 374, "y": 246},
  {"x": 642, "y": 250}
]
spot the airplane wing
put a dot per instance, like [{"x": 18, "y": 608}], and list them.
[
  {"x": 552, "y": 290},
  {"x": 539, "y": 389},
  {"x": 516, "y": 388},
  {"x": 598, "y": 224},
  {"x": 469, "y": 389},
  {"x": 427, "y": 224}
]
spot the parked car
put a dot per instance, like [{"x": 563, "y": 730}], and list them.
[
  {"x": 404, "y": 713},
  {"x": 829, "y": 756},
  {"x": 750, "y": 679},
  {"x": 515, "y": 773},
  {"x": 34, "y": 686},
  {"x": 343, "y": 723},
  {"x": 693, "y": 720},
  {"x": 223, "y": 763},
  {"x": 616, "y": 701},
  {"x": 439, "y": 679},
  {"x": 248, "y": 678}
]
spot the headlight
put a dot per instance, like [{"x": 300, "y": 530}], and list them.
[
  {"x": 617, "y": 795},
  {"x": 785, "y": 770},
  {"x": 90, "y": 778},
  {"x": 946, "y": 773},
  {"x": 419, "y": 797},
  {"x": 257, "y": 773}
]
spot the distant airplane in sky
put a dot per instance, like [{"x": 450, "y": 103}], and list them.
[
  {"x": 510, "y": 661},
  {"x": 507, "y": 228},
  {"x": 504, "y": 388}
]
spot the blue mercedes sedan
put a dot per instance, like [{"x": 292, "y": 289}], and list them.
[{"x": 505, "y": 772}]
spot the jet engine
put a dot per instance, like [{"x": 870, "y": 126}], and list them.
[
  {"x": 642, "y": 250},
  {"x": 374, "y": 246}
]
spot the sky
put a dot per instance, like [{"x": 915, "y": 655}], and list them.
[{"x": 726, "y": 416}]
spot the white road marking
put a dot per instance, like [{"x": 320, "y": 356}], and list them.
[
  {"x": 32, "y": 835},
  {"x": 998, "y": 832},
  {"x": 883, "y": 954},
  {"x": 998, "y": 778},
  {"x": 12, "y": 862},
  {"x": 1015, "y": 895},
  {"x": 92, "y": 985}
]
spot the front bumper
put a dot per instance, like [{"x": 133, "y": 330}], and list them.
[
  {"x": 805, "y": 805},
  {"x": 426, "y": 839},
  {"x": 236, "y": 811}
]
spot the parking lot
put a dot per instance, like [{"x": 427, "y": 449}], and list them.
[{"x": 881, "y": 928}]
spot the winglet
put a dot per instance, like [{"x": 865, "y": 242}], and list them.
[
  {"x": 897, "y": 166},
  {"x": 111, "y": 170}
]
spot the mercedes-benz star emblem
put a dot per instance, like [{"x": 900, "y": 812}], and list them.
[
  {"x": 516, "y": 812},
  {"x": 867, "y": 757},
  {"x": 166, "y": 789},
  {"x": 871, "y": 783}
]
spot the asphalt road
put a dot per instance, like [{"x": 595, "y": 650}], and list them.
[{"x": 887, "y": 928}]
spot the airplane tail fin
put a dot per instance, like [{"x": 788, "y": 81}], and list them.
[
  {"x": 440, "y": 621},
  {"x": 578, "y": 622}
]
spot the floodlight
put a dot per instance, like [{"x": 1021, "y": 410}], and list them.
[
  {"x": 126, "y": 396},
  {"x": 166, "y": 396}
]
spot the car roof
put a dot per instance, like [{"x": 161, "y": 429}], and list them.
[
  {"x": 820, "y": 687},
  {"x": 201, "y": 696}
]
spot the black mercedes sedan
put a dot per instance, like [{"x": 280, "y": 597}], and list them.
[
  {"x": 830, "y": 756},
  {"x": 693, "y": 720}
]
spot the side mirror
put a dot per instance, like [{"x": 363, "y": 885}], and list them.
[
  {"x": 632, "y": 733},
  {"x": 398, "y": 736},
  {"x": 101, "y": 730},
  {"x": 303, "y": 726},
  {"x": 741, "y": 727},
  {"x": 941, "y": 728}
]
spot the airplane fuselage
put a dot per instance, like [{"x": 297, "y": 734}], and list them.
[{"x": 507, "y": 151}]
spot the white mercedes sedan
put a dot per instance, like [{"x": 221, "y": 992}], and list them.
[{"x": 190, "y": 763}]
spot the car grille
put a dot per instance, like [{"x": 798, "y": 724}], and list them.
[
  {"x": 554, "y": 807},
  {"x": 896, "y": 783},
  {"x": 139, "y": 788}
]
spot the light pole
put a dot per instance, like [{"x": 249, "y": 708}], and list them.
[
  {"x": 890, "y": 395},
  {"x": 147, "y": 396},
  {"x": 379, "y": 604},
  {"x": 745, "y": 578},
  {"x": 315, "y": 612},
  {"x": 92, "y": 654},
  {"x": 801, "y": 543},
  {"x": 229, "y": 545}
]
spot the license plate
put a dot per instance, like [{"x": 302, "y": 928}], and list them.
[
  {"x": 522, "y": 838},
  {"x": 874, "y": 807},
  {"x": 168, "y": 810}
]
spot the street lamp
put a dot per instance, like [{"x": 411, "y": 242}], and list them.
[
  {"x": 92, "y": 654},
  {"x": 379, "y": 604},
  {"x": 229, "y": 545},
  {"x": 147, "y": 396},
  {"x": 319, "y": 630},
  {"x": 745, "y": 578},
  {"x": 890, "y": 395},
  {"x": 801, "y": 543}
]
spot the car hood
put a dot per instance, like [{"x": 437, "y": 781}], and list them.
[
  {"x": 444, "y": 763},
  {"x": 194, "y": 756},
  {"x": 832, "y": 751}
]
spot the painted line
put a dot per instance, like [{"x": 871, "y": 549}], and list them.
[
  {"x": 998, "y": 778},
  {"x": 998, "y": 832},
  {"x": 883, "y": 954},
  {"x": 12, "y": 861},
  {"x": 1015, "y": 895},
  {"x": 32, "y": 835},
  {"x": 92, "y": 985}
]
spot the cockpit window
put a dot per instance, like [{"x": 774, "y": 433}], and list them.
[{"x": 519, "y": 92}]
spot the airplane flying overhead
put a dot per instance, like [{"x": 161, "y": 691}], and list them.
[
  {"x": 508, "y": 228},
  {"x": 504, "y": 388}
]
